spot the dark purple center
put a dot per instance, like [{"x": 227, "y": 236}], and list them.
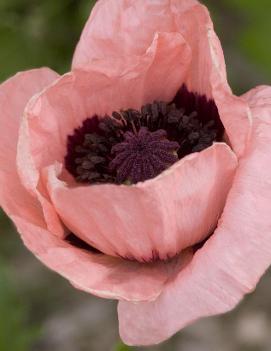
[
  {"x": 143, "y": 155},
  {"x": 132, "y": 146}
]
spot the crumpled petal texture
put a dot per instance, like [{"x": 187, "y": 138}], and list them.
[
  {"x": 61, "y": 108},
  {"x": 154, "y": 219},
  {"x": 232, "y": 261},
  {"x": 142, "y": 222},
  {"x": 50, "y": 117},
  {"x": 123, "y": 30},
  {"x": 14, "y": 95},
  {"x": 97, "y": 274}
]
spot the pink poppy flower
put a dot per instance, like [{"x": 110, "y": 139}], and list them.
[{"x": 139, "y": 176}]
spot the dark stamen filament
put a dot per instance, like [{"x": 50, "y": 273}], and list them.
[{"x": 132, "y": 146}]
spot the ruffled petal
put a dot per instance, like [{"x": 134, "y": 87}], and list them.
[
  {"x": 121, "y": 28},
  {"x": 118, "y": 32},
  {"x": 234, "y": 111},
  {"x": 232, "y": 261},
  {"x": 96, "y": 273},
  {"x": 14, "y": 95},
  {"x": 154, "y": 219},
  {"x": 54, "y": 114},
  {"x": 93, "y": 273}
]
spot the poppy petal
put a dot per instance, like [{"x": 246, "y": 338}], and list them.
[
  {"x": 14, "y": 95},
  {"x": 232, "y": 261}
]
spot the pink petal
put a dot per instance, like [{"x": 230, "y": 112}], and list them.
[
  {"x": 54, "y": 114},
  {"x": 14, "y": 95},
  {"x": 113, "y": 24},
  {"x": 234, "y": 112},
  {"x": 97, "y": 274},
  {"x": 123, "y": 30},
  {"x": 154, "y": 218},
  {"x": 232, "y": 261}
]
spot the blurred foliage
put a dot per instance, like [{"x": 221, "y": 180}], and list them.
[
  {"x": 254, "y": 36},
  {"x": 15, "y": 332},
  {"x": 39, "y": 33},
  {"x": 122, "y": 347},
  {"x": 244, "y": 28}
]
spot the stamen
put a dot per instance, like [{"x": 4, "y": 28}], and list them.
[{"x": 131, "y": 145}]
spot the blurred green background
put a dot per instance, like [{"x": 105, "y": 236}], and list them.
[{"x": 39, "y": 311}]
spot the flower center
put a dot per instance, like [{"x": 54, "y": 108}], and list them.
[
  {"x": 132, "y": 146},
  {"x": 143, "y": 155}
]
